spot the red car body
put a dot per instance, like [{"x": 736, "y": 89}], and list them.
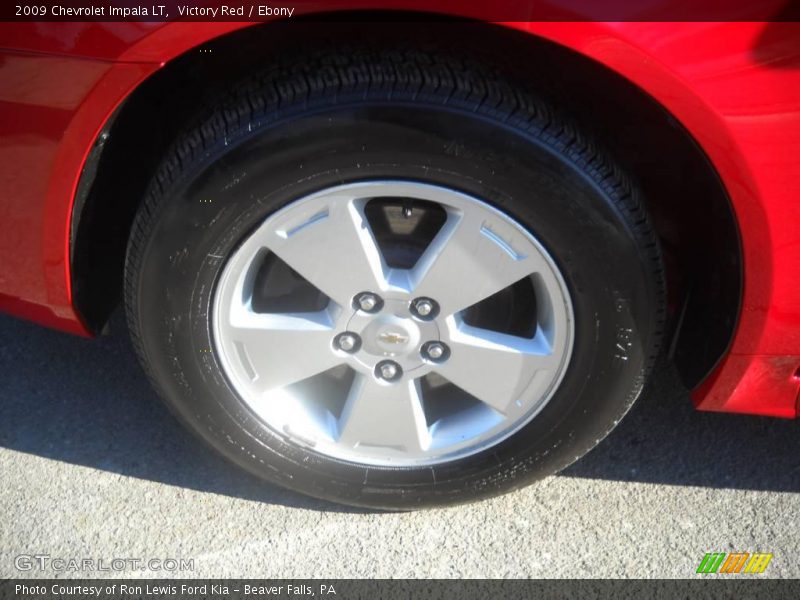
[{"x": 734, "y": 86}]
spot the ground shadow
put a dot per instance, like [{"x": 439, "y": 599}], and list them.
[
  {"x": 87, "y": 402},
  {"x": 664, "y": 440}
]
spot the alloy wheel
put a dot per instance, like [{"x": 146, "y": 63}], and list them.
[{"x": 392, "y": 323}]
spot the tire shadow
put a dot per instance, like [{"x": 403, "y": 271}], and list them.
[
  {"x": 87, "y": 402},
  {"x": 664, "y": 440}
]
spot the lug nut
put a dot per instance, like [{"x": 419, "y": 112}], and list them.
[
  {"x": 424, "y": 308},
  {"x": 348, "y": 342},
  {"x": 435, "y": 351},
  {"x": 388, "y": 370},
  {"x": 368, "y": 302}
]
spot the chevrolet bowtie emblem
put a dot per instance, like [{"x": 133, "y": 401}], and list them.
[{"x": 393, "y": 338}]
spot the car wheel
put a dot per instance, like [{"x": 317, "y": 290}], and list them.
[{"x": 392, "y": 281}]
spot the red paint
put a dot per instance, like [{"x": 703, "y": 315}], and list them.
[
  {"x": 734, "y": 86},
  {"x": 51, "y": 111},
  {"x": 760, "y": 384}
]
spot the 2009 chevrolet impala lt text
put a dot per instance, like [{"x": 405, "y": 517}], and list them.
[{"x": 397, "y": 260}]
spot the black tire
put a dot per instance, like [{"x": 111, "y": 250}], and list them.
[{"x": 369, "y": 114}]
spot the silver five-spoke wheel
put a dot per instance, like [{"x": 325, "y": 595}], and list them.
[{"x": 392, "y": 323}]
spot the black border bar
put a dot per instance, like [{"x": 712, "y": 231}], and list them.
[
  {"x": 389, "y": 589},
  {"x": 405, "y": 10}
]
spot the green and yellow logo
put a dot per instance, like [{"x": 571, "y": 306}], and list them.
[{"x": 735, "y": 562}]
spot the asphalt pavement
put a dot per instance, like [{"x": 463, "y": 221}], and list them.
[{"x": 93, "y": 466}]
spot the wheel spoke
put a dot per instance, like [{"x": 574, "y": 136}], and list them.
[
  {"x": 389, "y": 416},
  {"x": 493, "y": 367},
  {"x": 470, "y": 259},
  {"x": 282, "y": 349},
  {"x": 333, "y": 248}
]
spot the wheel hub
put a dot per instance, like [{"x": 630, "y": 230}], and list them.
[
  {"x": 391, "y": 333},
  {"x": 391, "y": 336}
]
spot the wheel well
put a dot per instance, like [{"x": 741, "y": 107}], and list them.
[{"x": 684, "y": 195}]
